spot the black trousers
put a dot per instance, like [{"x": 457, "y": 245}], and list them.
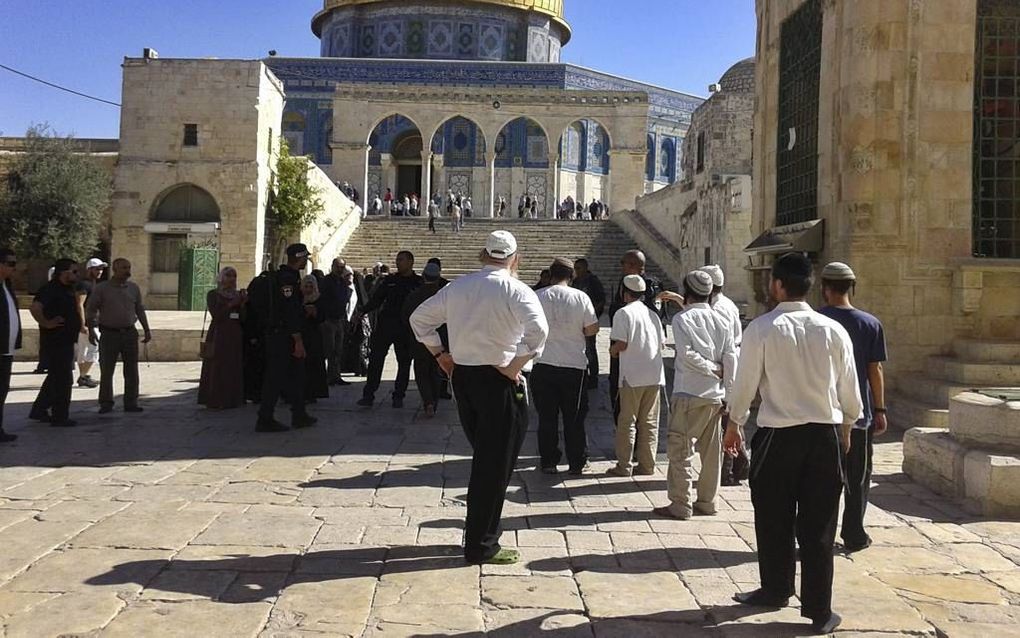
[
  {"x": 592, "y": 351},
  {"x": 55, "y": 394},
  {"x": 426, "y": 375},
  {"x": 380, "y": 344},
  {"x": 561, "y": 391},
  {"x": 796, "y": 479},
  {"x": 5, "y": 384},
  {"x": 494, "y": 414},
  {"x": 282, "y": 371},
  {"x": 114, "y": 344},
  {"x": 614, "y": 386},
  {"x": 858, "y": 486}
]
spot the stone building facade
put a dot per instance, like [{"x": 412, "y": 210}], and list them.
[
  {"x": 890, "y": 126},
  {"x": 706, "y": 217}
]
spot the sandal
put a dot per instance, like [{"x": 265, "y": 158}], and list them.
[{"x": 504, "y": 557}]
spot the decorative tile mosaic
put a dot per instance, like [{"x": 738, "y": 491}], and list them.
[{"x": 391, "y": 39}]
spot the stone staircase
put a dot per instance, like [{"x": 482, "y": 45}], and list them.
[
  {"x": 973, "y": 365},
  {"x": 602, "y": 242}
]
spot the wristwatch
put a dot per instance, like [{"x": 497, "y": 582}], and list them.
[{"x": 879, "y": 410}]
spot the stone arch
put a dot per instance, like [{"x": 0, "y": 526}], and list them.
[
  {"x": 380, "y": 120},
  {"x": 185, "y": 203},
  {"x": 394, "y": 157},
  {"x": 449, "y": 130},
  {"x": 584, "y": 159},
  {"x": 524, "y": 139},
  {"x": 667, "y": 161}
]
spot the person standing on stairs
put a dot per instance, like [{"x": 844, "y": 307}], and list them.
[
  {"x": 390, "y": 330},
  {"x": 868, "y": 337}
]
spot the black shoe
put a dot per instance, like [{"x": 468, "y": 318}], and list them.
[
  {"x": 580, "y": 471},
  {"x": 446, "y": 395},
  {"x": 7, "y": 438},
  {"x": 87, "y": 382},
  {"x": 828, "y": 625},
  {"x": 339, "y": 381},
  {"x": 303, "y": 421},
  {"x": 66, "y": 423},
  {"x": 41, "y": 417},
  {"x": 40, "y": 370},
  {"x": 136, "y": 409},
  {"x": 105, "y": 409},
  {"x": 853, "y": 548},
  {"x": 729, "y": 482},
  {"x": 398, "y": 403},
  {"x": 551, "y": 470},
  {"x": 271, "y": 426},
  {"x": 366, "y": 402},
  {"x": 759, "y": 598}
]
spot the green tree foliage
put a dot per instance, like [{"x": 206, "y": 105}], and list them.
[
  {"x": 295, "y": 203},
  {"x": 53, "y": 200}
]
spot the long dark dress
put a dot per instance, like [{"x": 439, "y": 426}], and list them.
[
  {"x": 222, "y": 384},
  {"x": 316, "y": 381}
]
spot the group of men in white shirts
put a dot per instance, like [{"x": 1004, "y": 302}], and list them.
[{"x": 801, "y": 361}]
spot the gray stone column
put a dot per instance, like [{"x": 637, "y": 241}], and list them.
[
  {"x": 490, "y": 168},
  {"x": 389, "y": 174},
  {"x": 552, "y": 188},
  {"x": 426, "y": 176}
]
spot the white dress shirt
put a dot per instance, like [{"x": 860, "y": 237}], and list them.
[
  {"x": 803, "y": 364},
  {"x": 13, "y": 321},
  {"x": 725, "y": 307},
  {"x": 491, "y": 317},
  {"x": 569, "y": 311},
  {"x": 640, "y": 328},
  {"x": 352, "y": 303},
  {"x": 704, "y": 348}
]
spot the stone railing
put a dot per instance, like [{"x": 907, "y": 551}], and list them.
[
  {"x": 328, "y": 236},
  {"x": 654, "y": 244}
]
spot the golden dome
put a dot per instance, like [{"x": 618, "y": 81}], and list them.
[{"x": 551, "y": 8}]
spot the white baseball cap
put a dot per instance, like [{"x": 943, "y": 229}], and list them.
[
  {"x": 96, "y": 263},
  {"x": 501, "y": 245}
]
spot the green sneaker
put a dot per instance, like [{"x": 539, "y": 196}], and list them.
[{"x": 504, "y": 557}]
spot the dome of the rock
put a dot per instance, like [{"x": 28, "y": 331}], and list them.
[{"x": 491, "y": 30}]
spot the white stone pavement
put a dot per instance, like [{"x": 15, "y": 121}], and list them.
[{"x": 185, "y": 523}]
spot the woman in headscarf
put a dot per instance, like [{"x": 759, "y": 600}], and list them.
[
  {"x": 316, "y": 381},
  {"x": 222, "y": 384}
]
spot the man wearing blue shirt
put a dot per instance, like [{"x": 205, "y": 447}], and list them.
[{"x": 868, "y": 337}]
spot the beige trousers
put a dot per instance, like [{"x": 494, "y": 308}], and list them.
[
  {"x": 638, "y": 424},
  {"x": 694, "y": 428}
]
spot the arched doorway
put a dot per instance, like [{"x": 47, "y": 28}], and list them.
[
  {"x": 522, "y": 166},
  {"x": 584, "y": 162},
  {"x": 394, "y": 158},
  {"x": 179, "y": 212}
]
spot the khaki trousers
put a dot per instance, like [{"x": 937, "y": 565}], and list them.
[
  {"x": 694, "y": 427},
  {"x": 638, "y": 425}
]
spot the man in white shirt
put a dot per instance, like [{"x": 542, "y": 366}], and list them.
[
  {"x": 637, "y": 338},
  {"x": 10, "y": 334},
  {"x": 496, "y": 325},
  {"x": 558, "y": 381},
  {"x": 704, "y": 368},
  {"x": 810, "y": 400}
]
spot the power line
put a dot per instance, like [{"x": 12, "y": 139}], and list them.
[{"x": 57, "y": 86}]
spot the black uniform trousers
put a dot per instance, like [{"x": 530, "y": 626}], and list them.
[
  {"x": 561, "y": 391},
  {"x": 592, "y": 351},
  {"x": 614, "y": 386},
  {"x": 114, "y": 343},
  {"x": 6, "y": 363},
  {"x": 282, "y": 370},
  {"x": 426, "y": 375},
  {"x": 55, "y": 394},
  {"x": 796, "y": 479},
  {"x": 858, "y": 486},
  {"x": 380, "y": 344},
  {"x": 494, "y": 414}
]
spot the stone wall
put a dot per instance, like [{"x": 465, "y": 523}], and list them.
[
  {"x": 895, "y": 164},
  {"x": 327, "y": 238},
  {"x": 237, "y": 106}
]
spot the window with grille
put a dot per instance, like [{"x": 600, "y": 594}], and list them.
[
  {"x": 191, "y": 134},
  {"x": 997, "y": 131},
  {"x": 800, "y": 60},
  {"x": 701, "y": 152}
]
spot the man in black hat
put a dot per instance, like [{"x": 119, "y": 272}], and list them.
[
  {"x": 390, "y": 330},
  {"x": 282, "y": 317},
  {"x": 809, "y": 401}
]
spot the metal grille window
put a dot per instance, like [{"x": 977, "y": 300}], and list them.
[
  {"x": 191, "y": 134},
  {"x": 997, "y": 131},
  {"x": 800, "y": 61}
]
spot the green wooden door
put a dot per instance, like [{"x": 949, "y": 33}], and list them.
[{"x": 199, "y": 267}]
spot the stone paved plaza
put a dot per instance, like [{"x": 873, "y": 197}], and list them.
[{"x": 185, "y": 523}]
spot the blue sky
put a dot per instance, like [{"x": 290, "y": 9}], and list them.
[{"x": 681, "y": 44}]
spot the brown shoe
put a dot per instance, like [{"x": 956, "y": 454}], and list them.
[
  {"x": 665, "y": 512},
  {"x": 618, "y": 471}
]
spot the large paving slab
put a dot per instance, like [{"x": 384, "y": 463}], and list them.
[{"x": 185, "y": 522}]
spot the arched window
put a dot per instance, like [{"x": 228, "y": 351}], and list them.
[{"x": 186, "y": 203}]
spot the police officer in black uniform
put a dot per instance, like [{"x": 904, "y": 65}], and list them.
[
  {"x": 632, "y": 263},
  {"x": 278, "y": 303},
  {"x": 390, "y": 329}
]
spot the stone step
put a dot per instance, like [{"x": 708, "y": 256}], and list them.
[
  {"x": 906, "y": 413},
  {"x": 937, "y": 391},
  {"x": 975, "y": 371},
  {"x": 988, "y": 351}
]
